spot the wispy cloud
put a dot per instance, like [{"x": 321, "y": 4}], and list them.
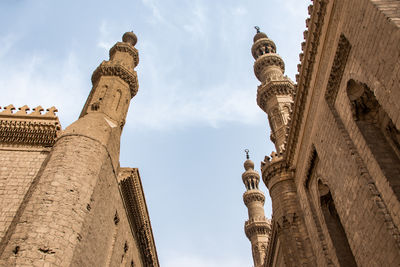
[
  {"x": 216, "y": 105},
  {"x": 105, "y": 40},
  {"x": 38, "y": 80},
  {"x": 6, "y": 43},
  {"x": 239, "y": 11},
  {"x": 197, "y": 22},
  {"x": 295, "y": 7},
  {"x": 156, "y": 13}
]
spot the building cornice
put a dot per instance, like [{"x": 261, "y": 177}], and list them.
[
  {"x": 306, "y": 68},
  {"x": 138, "y": 215}
]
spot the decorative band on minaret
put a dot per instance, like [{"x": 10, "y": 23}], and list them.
[
  {"x": 257, "y": 227},
  {"x": 275, "y": 94}
]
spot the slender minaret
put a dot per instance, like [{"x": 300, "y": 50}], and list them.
[
  {"x": 60, "y": 214},
  {"x": 257, "y": 227},
  {"x": 275, "y": 94}
]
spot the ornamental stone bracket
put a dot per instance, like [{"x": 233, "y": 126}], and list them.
[
  {"x": 267, "y": 60},
  {"x": 23, "y": 129},
  {"x": 271, "y": 89},
  {"x": 125, "y": 48},
  {"x": 257, "y": 226},
  {"x": 108, "y": 68},
  {"x": 253, "y": 195},
  {"x": 137, "y": 213},
  {"x": 275, "y": 169},
  {"x": 285, "y": 221}
]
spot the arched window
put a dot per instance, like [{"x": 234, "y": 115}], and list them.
[
  {"x": 286, "y": 113},
  {"x": 378, "y": 130},
  {"x": 117, "y": 99},
  {"x": 334, "y": 226},
  {"x": 277, "y": 118}
]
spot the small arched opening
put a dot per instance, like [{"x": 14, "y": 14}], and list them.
[{"x": 334, "y": 226}]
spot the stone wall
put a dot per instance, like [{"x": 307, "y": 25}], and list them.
[
  {"x": 18, "y": 169},
  {"x": 365, "y": 201}
]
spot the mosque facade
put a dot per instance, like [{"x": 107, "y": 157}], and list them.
[
  {"x": 334, "y": 179},
  {"x": 64, "y": 199}
]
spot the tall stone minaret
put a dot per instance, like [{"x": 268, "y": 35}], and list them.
[
  {"x": 58, "y": 213},
  {"x": 275, "y": 94},
  {"x": 257, "y": 227}
]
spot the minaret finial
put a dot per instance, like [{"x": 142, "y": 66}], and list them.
[
  {"x": 247, "y": 153},
  {"x": 257, "y": 29}
]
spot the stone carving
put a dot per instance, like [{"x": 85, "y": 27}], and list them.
[
  {"x": 132, "y": 193},
  {"x": 251, "y": 196},
  {"x": 107, "y": 68},
  {"x": 267, "y": 60},
  {"x": 126, "y": 48},
  {"x": 28, "y": 129},
  {"x": 339, "y": 63},
  {"x": 306, "y": 67}
]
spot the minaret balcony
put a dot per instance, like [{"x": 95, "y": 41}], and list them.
[
  {"x": 257, "y": 226},
  {"x": 265, "y": 61},
  {"x": 253, "y": 195}
]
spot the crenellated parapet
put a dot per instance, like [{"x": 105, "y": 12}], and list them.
[
  {"x": 275, "y": 169},
  {"x": 23, "y": 129}
]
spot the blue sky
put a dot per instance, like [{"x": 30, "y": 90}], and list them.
[{"x": 195, "y": 111}]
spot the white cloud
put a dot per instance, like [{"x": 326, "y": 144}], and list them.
[
  {"x": 239, "y": 11},
  {"x": 37, "y": 80},
  {"x": 6, "y": 43},
  {"x": 153, "y": 5},
  {"x": 295, "y": 7},
  {"x": 197, "y": 21},
  {"x": 211, "y": 107},
  {"x": 105, "y": 39}
]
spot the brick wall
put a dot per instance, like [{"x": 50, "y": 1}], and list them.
[
  {"x": 18, "y": 169},
  {"x": 365, "y": 201}
]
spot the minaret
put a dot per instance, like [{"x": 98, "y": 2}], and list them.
[
  {"x": 257, "y": 227},
  {"x": 275, "y": 94},
  {"x": 53, "y": 224}
]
